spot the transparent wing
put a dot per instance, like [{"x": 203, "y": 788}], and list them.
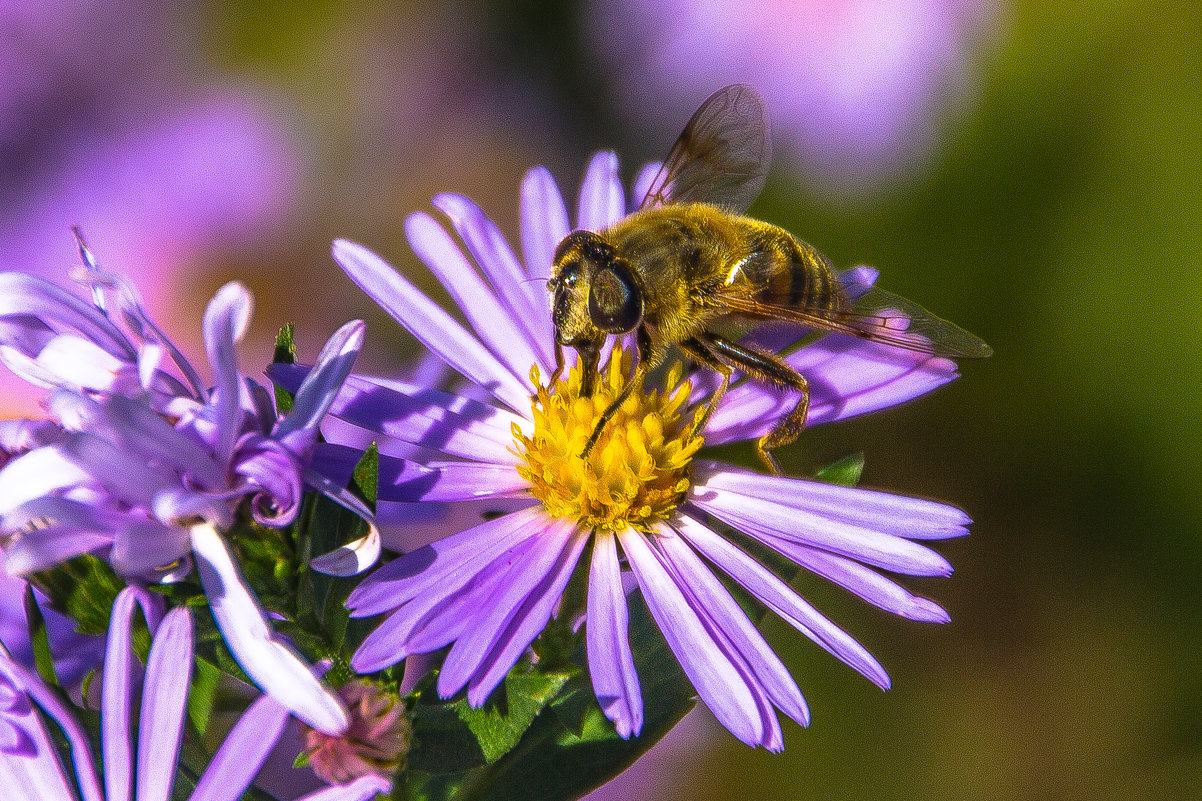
[
  {"x": 721, "y": 156},
  {"x": 878, "y": 316}
]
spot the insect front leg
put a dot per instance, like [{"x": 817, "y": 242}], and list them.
[
  {"x": 558, "y": 366},
  {"x": 647, "y": 360},
  {"x": 770, "y": 369},
  {"x": 590, "y": 354}
]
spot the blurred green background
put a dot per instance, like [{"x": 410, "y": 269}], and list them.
[{"x": 1041, "y": 185}]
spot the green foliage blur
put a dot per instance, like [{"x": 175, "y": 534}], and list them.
[{"x": 1060, "y": 220}]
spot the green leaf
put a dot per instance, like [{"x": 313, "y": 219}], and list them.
[
  {"x": 454, "y": 737},
  {"x": 552, "y": 763},
  {"x": 206, "y": 678},
  {"x": 568, "y": 749},
  {"x": 845, "y": 472},
  {"x": 83, "y": 588}
]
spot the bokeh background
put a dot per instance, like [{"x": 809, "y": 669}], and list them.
[{"x": 1030, "y": 170}]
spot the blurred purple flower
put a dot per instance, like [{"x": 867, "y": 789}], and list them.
[
  {"x": 158, "y": 190},
  {"x": 858, "y": 87},
  {"x": 108, "y": 121},
  {"x": 138, "y": 757},
  {"x": 489, "y": 590},
  {"x": 146, "y": 465}
]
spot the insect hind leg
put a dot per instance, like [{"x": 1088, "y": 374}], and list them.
[{"x": 771, "y": 369}]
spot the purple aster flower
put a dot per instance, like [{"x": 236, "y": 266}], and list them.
[
  {"x": 642, "y": 500},
  {"x": 140, "y": 757},
  {"x": 145, "y": 465}
]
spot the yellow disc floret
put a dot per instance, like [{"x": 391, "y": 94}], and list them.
[{"x": 640, "y": 468}]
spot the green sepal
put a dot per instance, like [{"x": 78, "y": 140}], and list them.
[
  {"x": 365, "y": 478},
  {"x": 285, "y": 353},
  {"x": 845, "y": 472},
  {"x": 39, "y": 638}
]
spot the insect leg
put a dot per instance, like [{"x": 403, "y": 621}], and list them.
[
  {"x": 771, "y": 369},
  {"x": 647, "y": 360},
  {"x": 590, "y": 354},
  {"x": 696, "y": 347},
  {"x": 558, "y": 366}
]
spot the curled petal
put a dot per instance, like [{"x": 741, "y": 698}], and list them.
[
  {"x": 268, "y": 465},
  {"x": 350, "y": 559},
  {"x": 22, "y": 294}
]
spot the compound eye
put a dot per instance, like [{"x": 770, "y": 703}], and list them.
[{"x": 615, "y": 303}]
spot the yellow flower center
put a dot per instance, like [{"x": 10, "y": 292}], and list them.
[{"x": 640, "y": 467}]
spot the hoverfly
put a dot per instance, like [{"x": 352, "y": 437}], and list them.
[{"x": 687, "y": 265}]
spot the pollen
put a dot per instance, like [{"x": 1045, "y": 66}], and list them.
[{"x": 640, "y": 469}]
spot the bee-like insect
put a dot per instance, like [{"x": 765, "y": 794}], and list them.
[{"x": 687, "y": 266}]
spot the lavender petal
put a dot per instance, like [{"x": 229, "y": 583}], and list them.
[
  {"x": 601, "y": 195},
  {"x": 544, "y": 222},
  {"x": 320, "y": 387},
  {"x": 868, "y": 584},
  {"x": 448, "y": 481},
  {"x": 913, "y": 518},
  {"x": 523, "y": 575},
  {"x": 758, "y": 518},
  {"x": 493, "y": 323},
  {"x": 77, "y": 739},
  {"x": 243, "y": 752},
  {"x": 716, "y": 678},
  {"x": 529, "y": 620},
  {"x": 118, "y": 687},
  {"x": 610, "y": 662},
  {"x": 781, "y": 599},
  {"x": 364, "y": 788},
  {"x": 430, "y": 567},
  {"x": 525, "y": 300},
  {"x": 432, "y": 326},
  {"x": 723, "y": 611},
  {"x": 164, "y": 697},
  {"x": 225, "y": 322},
  {"x": 23, "y": 294}
]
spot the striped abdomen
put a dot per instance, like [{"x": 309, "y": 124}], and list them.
[{"x": 792, "y": 274}]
